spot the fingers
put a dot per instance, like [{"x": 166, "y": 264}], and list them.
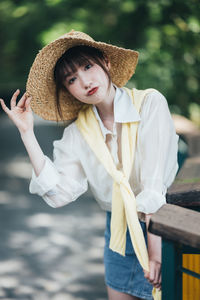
[
  {"x": 27, "y": 103},
  {"x": 14, "y": 98},
  {"x": 146, "y": 274},
  {"x": 159, "y": 280},
  {"x": 4, "y": 107},
  {"x": 22, "y": 101},
  {"x": 154, "y": 275},
  {"x": 150, "y": 276},
  {"x": 157, "y": 284}
]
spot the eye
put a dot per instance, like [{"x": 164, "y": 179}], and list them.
[
  {"x": 71, "y": 80},
  {"x": 88, "y": 66}
]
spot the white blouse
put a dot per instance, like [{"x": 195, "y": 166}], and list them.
[{"x": 75, "y": 165}]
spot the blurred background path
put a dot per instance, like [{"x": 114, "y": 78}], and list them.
[{"x": 45, "y": 253}]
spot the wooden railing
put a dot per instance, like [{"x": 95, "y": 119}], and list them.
[{"x": 178, "y": 223}]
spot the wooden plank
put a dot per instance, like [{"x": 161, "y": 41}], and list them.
[
  {"x": 189, "y": 132},
  {"x": 178, "y": 224},
  {"x": 190, "y": 168},
  {"x": 185, "y": 191},
  {"x": 186, "y": 198}
]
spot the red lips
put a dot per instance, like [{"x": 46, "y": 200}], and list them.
[{"x": 92, "y": 91}]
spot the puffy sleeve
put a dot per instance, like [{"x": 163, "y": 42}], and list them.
[
  {"x": 157, "y": 151},
  {"x": 63, "y": 180}
]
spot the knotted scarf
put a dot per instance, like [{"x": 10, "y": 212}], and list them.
[{"x": 124, "y": 211}]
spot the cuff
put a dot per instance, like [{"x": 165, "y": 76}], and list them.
[
  {"x": 149, "y": 201},
  {"x": 46, "y": 181}
]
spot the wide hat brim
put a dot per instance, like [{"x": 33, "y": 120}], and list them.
[{"x": 41, "y": 85}]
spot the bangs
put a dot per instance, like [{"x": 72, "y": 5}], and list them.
[{"x": 76, "y": 57}]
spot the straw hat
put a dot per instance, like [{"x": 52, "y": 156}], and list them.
[{"x": 41, "y": 85}]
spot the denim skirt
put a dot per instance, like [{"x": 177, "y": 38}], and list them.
[{"x": 124, "y": 273}]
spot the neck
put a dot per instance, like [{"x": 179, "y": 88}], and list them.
[{"x": 105, "y": 108}]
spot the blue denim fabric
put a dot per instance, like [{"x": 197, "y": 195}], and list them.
[{"x": 124, "y": 273}]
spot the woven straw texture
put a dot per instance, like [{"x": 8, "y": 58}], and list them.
[{"x": 41, "y": 85}]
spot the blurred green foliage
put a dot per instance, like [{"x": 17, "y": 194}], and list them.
[{"x": 165, "y": 32}]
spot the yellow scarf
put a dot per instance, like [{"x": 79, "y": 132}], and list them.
[{"x": 124, "y": 211}]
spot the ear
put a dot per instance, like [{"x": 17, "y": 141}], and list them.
[{"x": 107, "y": 63}]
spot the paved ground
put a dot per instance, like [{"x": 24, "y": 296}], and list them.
[{"x": 45, "y": 253}]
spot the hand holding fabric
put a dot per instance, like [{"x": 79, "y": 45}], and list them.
[{"x": 154, "y": 251}]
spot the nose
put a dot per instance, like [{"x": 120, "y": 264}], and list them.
[{"x": 85, "y": 81}]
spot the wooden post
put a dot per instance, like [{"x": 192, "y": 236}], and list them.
[
  {"x": 179, "y": 229},
  {"x": 179, "y": 226},
  {"x": 185, "y": 192},
  {"x": 171, "y": 258}
]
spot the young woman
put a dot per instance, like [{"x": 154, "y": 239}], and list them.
[{"x": 121, "y": 142}]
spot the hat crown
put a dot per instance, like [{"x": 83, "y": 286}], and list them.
[{"x": 77, "y": 35}]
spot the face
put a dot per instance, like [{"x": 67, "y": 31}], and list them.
[{"x": 89, "y": 84}]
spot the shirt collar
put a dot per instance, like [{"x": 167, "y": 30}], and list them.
[{"x": 124, "y": 111}]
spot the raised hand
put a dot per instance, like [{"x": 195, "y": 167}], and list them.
[
  {"x": 22, "y": 117},
  {"x": 20, "y": 113}
]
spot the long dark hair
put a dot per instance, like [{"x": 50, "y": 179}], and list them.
[{"x": 68, "y": 62}]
